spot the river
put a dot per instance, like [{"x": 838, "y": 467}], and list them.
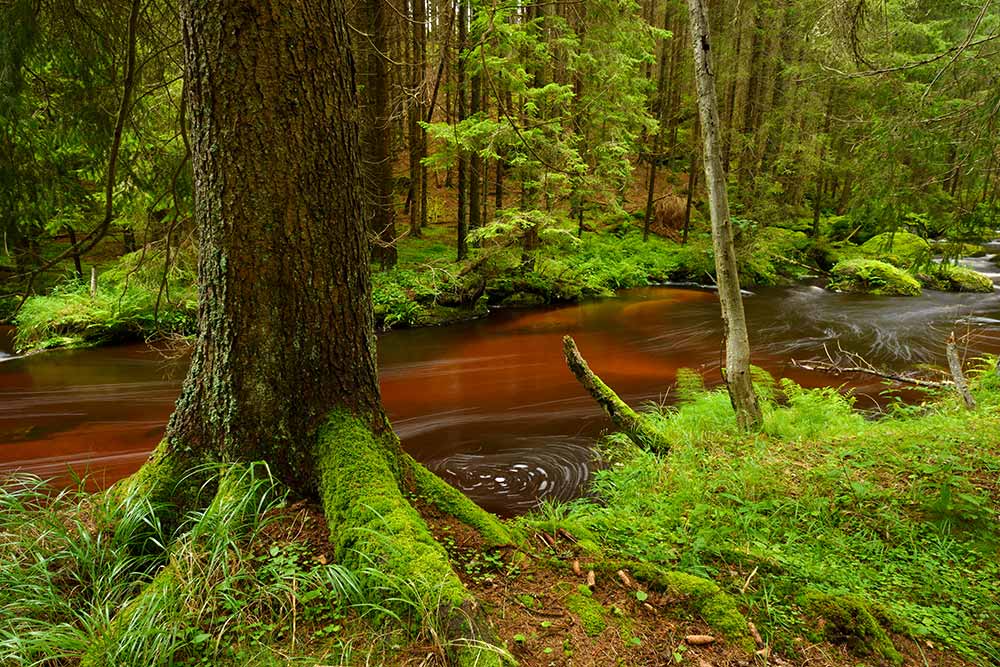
[{"x": 490, "y": 405}]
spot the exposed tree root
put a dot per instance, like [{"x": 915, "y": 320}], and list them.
[
  {"x": 703, "y": 596},
  {"x": 362, "y": 476},
  {"x": 634, "y": 425},
  {"x": 137, "y": 628},
  {"x": 363, "y": 481}
]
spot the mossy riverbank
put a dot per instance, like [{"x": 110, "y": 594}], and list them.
[{"x": 133, "y": 300}]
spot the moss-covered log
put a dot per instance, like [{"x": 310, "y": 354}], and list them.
[{"x": 628, "y": 420}]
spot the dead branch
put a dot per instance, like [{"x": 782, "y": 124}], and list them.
[
  {"x": 625, "y": 418},
  {"x": 858, "y": 364},
  {"x": 958, "y": 377}
]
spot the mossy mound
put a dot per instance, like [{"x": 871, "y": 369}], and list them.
[
  {"x": 590, "y": 612},
  {"x": 869, "y": 276},
  {"x": 953, "y": 249},
  {"x": 901, "y": 249},
  {"x": 951, "y": 278},
  {"x": 846, "y": 619}
]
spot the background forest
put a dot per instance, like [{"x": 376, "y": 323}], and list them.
[
  {"x": 506, "y": 127},
  {"x": 512, "y": 154}
]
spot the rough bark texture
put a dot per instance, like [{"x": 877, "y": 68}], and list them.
[
  {"x": 463, "y": 158},
  {"x": 285, "y": 324},
  {"x": 734, "y": 330}
]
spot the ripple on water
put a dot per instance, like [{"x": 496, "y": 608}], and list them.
[{"x": 518, "y": 478}]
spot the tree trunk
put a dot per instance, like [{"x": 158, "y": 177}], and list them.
[
  {"x": 415, "y": 195},
  {"x": 737, "y": 372},
  {"x": 77, "y": 265},
  {"x": 377, "y": 135},
  {"x": 283, "y": 280},
  {"x": 284, "y": 369},
  {"x": 475, "y": 161},
  {"x": 463, "y": 158}
]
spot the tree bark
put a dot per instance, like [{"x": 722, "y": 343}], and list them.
[
  {"x": 737, "y": 371},
  {"x": 285, "y": 324},
  {"x": 955, "y": 366},
  {"x": 463, "y": 158},
  {"x": 377, "y": 136},
  {"x": 284, "y": 369},
  {"x": 621, "y": 415}
]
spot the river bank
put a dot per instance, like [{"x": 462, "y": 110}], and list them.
[
  {"x": 134, "y": 300},
  {"x": 841, "y": 540}
]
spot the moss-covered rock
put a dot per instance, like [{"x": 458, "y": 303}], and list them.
[
  {"x": 869, "y": 276},
  {"x": 951, "y": 278},
  {"x": 847, "y": 619},
  {"x": 901, "y": 249}
]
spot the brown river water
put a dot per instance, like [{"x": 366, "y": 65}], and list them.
[{"x": 490, "y": 405}]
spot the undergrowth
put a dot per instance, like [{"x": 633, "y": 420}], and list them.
[
  {"x": 900, "y": 513},
  {"x": 133, "y": 300},
  {"x": 241, "y": 587}
]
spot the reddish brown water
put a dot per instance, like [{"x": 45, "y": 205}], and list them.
[{"x": 489, "y": 405}]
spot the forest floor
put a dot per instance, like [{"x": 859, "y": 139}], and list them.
[{"x": 845, "y": 541}]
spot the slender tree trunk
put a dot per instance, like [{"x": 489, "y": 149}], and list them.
[
  {"x": 661, "y": 103},
  {"x": 475, "y": 161},
  {"x": 77, "y": 265},
  {"x": 463, "y": 158},
  {"x": 377, "y": 132},
  {"x": 416, "y": 107},
  {"x": 692, "y": 180},
  {"x": 737, "y": 372},
  {"x": 821, "y": 169}
]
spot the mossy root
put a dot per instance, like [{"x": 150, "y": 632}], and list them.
[
  {"x": 703, "y": 596},
  {"x": 374, "y": 528},
  {"x": 847, "y": 619}
]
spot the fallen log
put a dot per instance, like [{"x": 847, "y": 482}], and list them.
[{"x": 634, "y": 425}]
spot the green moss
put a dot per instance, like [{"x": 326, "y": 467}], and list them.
[
  {"x": 374, "y": 528},
  {"x": 168, "y": 479},
  {"x": 113, "y": 645},
  {"x": 951, "y": 278},
  {"x": 527, "y": 600},
  {"x": 592, "y": 614},
  {"x": 127, "y": 305},
  {"x": 901, "y": 249},
  {"x": 847, "y": 619},
  {"x": 371, "y": 523},
  {"x": 453, "y": 502},
  {"x": 702, "y": 596},
  {"x": 869, "y": 276}
]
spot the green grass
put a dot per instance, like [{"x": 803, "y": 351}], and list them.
[
  {"x": 127, "y": 305},
  {"x": 92, "y": 578},
  {"x": 901, "y": 512}
]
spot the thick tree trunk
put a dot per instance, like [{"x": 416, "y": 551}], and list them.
[
  {"x": 284, "y": 365},
  {"x": 737, "y": 372},
  {"x": 285, "y": 324}
]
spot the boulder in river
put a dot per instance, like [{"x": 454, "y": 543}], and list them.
[
  {"x": 901, "y": 249},
  {"x": 870, "y": 276},
  {"x": 951, "y": 278}
]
